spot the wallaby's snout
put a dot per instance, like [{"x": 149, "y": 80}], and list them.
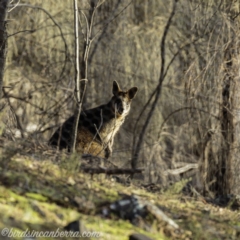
[{"x": 119, "y": 106}]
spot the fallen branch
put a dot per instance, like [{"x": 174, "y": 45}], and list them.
[
  {"x": 160, "y": 215},
  {"x": 182, "y": 169},
  {"x": 110, "y": 171}
]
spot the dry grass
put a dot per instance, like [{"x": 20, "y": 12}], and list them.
[{"x": 38, "y": 194}]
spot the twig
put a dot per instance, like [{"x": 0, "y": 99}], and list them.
[
  {"x": 181, "y": 109},
  {"x": 14, "y": 5},
  {"x": 102, "y": 33},
  {"x": 58, "y": 26},
  {"x": 114, "y": 18},
  {"x": 97, "y": 133}
]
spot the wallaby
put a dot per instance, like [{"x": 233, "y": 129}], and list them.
[{"x": 97, "y": 126}]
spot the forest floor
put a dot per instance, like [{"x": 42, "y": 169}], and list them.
[{"x": 37, "y": 193}]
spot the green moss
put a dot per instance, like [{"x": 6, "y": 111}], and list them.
[
  {"x": 40, "y": 195},
  {"x": 36, "y": 196},
  {"x": 177, "y": 187}
]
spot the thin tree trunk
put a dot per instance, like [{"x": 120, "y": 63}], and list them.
[
  {"x": 77, "y": 77},
  {"x": 224, "y": 171},
  {"x": 3, "y": 40},
  {"x": 82, "y": 69}
]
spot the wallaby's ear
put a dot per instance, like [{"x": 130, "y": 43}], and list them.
[
  {"x": 116, "y": 89},
  {"x": 132, "y": 92}
]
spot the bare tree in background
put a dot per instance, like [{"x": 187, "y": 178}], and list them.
[
  {"x": 158, "y": 89},
  {"x": 3, "y": 40},
  {"x": 213, "y": 85},
  {"x": 227, "y": 174}
]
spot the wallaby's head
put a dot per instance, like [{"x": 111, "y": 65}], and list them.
[{"x": 121, "y": 100}]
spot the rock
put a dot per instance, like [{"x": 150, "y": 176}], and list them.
[
  {"x": 77, "y": 226},
  {"x": 138, "y": 236}
]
